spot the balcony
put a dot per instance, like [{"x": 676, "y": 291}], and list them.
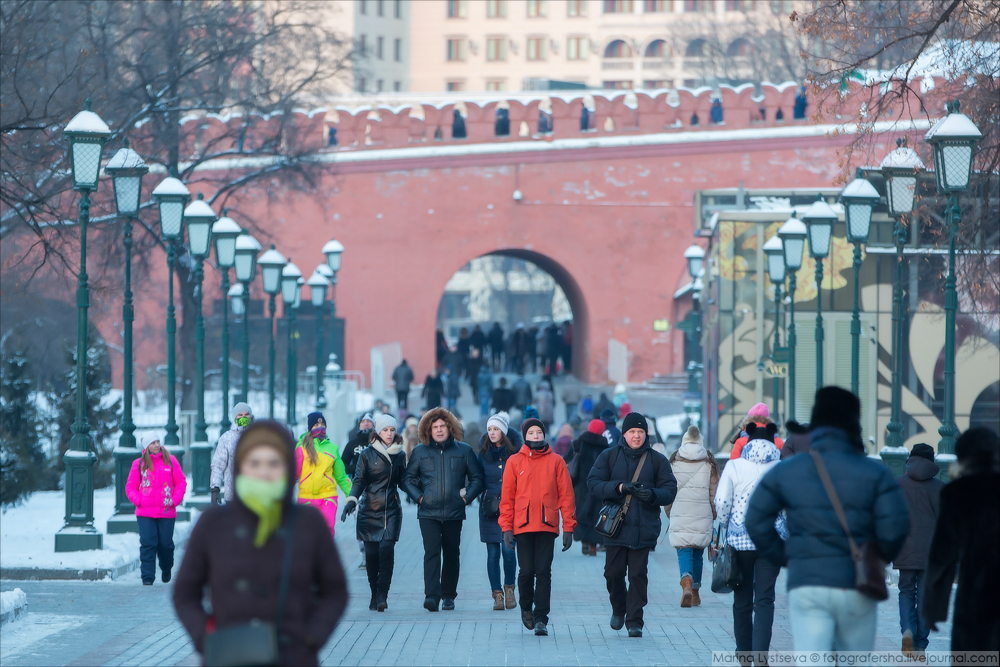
[
  {"x": 617, "y": 64},
  {"x": 656, "y": 64}
]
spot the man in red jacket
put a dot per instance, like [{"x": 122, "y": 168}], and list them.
[{"x": 536, "y": 489}]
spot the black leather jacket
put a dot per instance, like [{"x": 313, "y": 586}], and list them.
[
  {"x": 377, "y": 476},
  {"x": 437, "y": 473}
]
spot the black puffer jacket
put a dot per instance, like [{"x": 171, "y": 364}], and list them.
[
  {"x": 587, "y": 448},
  {"x": 617, "y": 465},
  {"x": 377, "y": 475},
  {"x": 437, "y": 473},
  {"x": 493, "y": 461},
  {"x": 923, "y": 498}
]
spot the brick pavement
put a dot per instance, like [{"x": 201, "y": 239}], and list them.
[{"x": 124, "y": 623}]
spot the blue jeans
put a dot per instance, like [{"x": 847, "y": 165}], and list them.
[
  {"x": 911, "y": 595},
  {"x": 156, "y": 540},
  {"x": 824, "y": 618},
  {"x": 691, "y": 561},
  {"x": 493, "y": 552}
]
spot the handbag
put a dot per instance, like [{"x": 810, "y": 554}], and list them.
[
  {"x": 725, "y": 575},
  {"x": 612, "y": 515},
  {"x": 491, "y": 507},
  {"x": 254, "y": 644},
  {"x": 869, "y": 566}
]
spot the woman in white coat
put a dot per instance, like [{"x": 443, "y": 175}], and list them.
[{"x": 693, "y": 511}]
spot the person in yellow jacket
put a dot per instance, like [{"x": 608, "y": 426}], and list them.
[{"x": 320, "y": 470}]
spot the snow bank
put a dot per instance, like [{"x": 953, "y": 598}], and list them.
[{"x": 13, "y": 606}]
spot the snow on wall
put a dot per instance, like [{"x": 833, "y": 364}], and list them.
[{"x": 13, "y": 606}]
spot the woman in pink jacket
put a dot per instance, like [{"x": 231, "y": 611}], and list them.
[{"x": 156, "y": 486}]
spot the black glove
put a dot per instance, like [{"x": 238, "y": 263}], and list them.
[
  {"x": 567, "y": 541},
  {"x": 629, "y": 488},
  {"x": 348, "y": 509},
  {"x": 644, "y": 494},
  {"x": 216, "y": 500},
  {"x": 508, "y": 539}
]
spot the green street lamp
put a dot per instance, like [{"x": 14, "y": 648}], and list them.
[
  {"x": 171, "y": 196},
  {"x": 858, "y": 198},
  {"x": 224, "y": 233},
  {"x": 900, "y": 169},
  {"x": 271, "y": 265},
  {"x": 819, "y": 219},
  {"x": 247, "y": 248},
  {"x": 295, "y": 352},
  {"x": 318, "y": 285},
  {"x": 333, "y": 250},
  {"x": 775, "y": 254},
  {"x": 793, "y": 240},
  {"x": 953, "y": 139},
  {"x": 199, "y": 218},
  {"x": 126, "y": 169},
  {"x": 290, "y": 277},
  {"x": 87, "y": 134},
  {"x": 695, "y": 257}
]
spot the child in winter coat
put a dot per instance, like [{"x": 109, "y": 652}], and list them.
[
  {"x": 320, "y": 470},
  {"x": 156, "y": 486},
  {"x": 693, "y": 511},
  {"x": 759, "y": 415}
]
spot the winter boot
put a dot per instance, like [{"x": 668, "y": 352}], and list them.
[
  {"x": 497, "y": 600},
  {"x": 593, "y": 549},
  {"x": 907, "y": 647},
  {"x": 585, "y": 547},
  {"x": 686, "y": 592},
  {"x": 509, "y": 600},
  {"x": 528, "y": 619},
  {"x": 695, "y": 598}
]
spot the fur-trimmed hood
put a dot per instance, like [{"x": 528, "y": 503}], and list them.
[{"x": 431, "y": 416}]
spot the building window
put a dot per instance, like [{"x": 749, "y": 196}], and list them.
[
  {"x": 690, "y": 83},
  {"x": 537, "y": 9},
  {"x": 575, "y": 8},
  {"x": 362, "y": 46},
  {"x": 496, "y": 9},
  {"x": 380, "y": 7},
  {"x": 656, "y": 84},
  {"x": 380, "y": 48},
  {"x": 456, "y": 50},
  {"x": 361, "y": 84},
  {"x": 378, "y": 86},
  {"x": 781, "y": 6},
  {"x": 496, "y": 49},
  {"x": 618, "y": 49},
  {"x": 362, "y": 6},
  {"x": 397, "y": 86},
  {"x": 499, "y": 84},
  {"x": 698, "y": 48},
  {"x": 618, "y": 6},
  {"x": 698, "y": 6},
  {"x": 617, "y": 85},
  {"x": 740, "y": 5},
  {"x": 397, "y": 9},
  {"x": 576, "y": 48},
  {"x": 457, "y": 9},
  {"x": 658, "y": 6},
  {"x": 397, "y": 50},
  {"x": 739, "y": 47},
  {"x": 455, "y": 86},
  {"x": 658, "y": 48},
  {"x": 536, "y": 48}
]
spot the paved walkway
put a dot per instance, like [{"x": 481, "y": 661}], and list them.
[{"x": 124, "y": 623}]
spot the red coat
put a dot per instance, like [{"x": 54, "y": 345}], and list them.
[{"x": 536, "y": 487}]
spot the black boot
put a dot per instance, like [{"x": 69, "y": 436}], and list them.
[{"x": 372, "y": 606}]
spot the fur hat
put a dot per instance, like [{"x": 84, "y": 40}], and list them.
[
  {"x": 384, "y": 421},
  {"x": 147, "y": 439},
  {"x": 596, "y": 426},
  {"x": 501, "y": 420},
  {"x": 836, "y": 407},
  {"x": 634, "y": 420},
  {"x": 313, "y": 418},
  {"x": 431, "y": 416},
  {"x": 238, "y": 408},
  {"x": 920, "y": 449},
  {"x": 528, "y": 423},
  {"x": 693, "y": 436}
]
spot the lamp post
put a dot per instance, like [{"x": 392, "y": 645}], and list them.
[
  {"x": 86, "y": 133},
  {"x": 695, "y": 257},
  {"x": 333, "y": 250},
  {"x": 819, "y": 219},
  {"x": 899, "y": 168},
  {"x": 271, "y": 265},
  {"x": 247, "y": 248},
  {"x": 126, "y": 169},
  {"x": 953, "y": 138},
  {"x": 858, "y": 197},
  {"x": 224, "y": 233},
  {"x": 318, "y": 285},
  {"x": 290, "y": 276},
  {"x": 793, "y": 239},
  {"x": 774, "y": 251},
  {"x": 199, "y": 218}
]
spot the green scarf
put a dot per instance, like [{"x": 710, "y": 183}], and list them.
[{"x": 264, "y": 499}]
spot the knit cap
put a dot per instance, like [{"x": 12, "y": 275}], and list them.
[
  {"x": 924, "y": 450},
  {"x": 596, "y": 426},
  {"x": 147, "y": 439},
  {"x": 238, "y": 408},
  {"x": 367, "y": 416},
  {"x": 501, "y": 420},
  {"x": 528, "y": 423},
  {"x": 384, "y": 421},
  {"x": 759, "y": 410},
  {"x": 692, "y": 436},
  {"x": 634, "y": 420},
  {"x": 313, "y": 418}
]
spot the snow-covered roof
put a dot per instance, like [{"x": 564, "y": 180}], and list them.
[
  {"x": 271, "y": 256},
  {"x": 902, "y": 158},
  {"x": 125, "y": 158},
  {"x": 793, "y": 226},
  {"x": 171, "y": 186},
  {"x": 199, "y": 209},
  {"x": 226, "y": 225},
  {"x": 318, "y": 280},
  {"x": 954, "y": 125},
  {"x": 247, "y": 242},
  {"x": 859, "y": 188},
  {"x": 291, "y": 270},
  {"x": 694, "y": 251},
  {"x": 774, "y": 243},
  {"x": 819, "y": 210},
  {"x": 87, "y": 122},
  {"x": 333, "y": 246},
  {"x": 236, "y": 289}
]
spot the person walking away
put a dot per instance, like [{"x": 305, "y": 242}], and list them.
[
  {"x": 604, "y": 403},
  {"x": 564, "y": 440},
  {"x": 581, "y": 458},
  {"x": 760, "y": 416},
  {"x": 477, "y": 339},
  {"x": 494, "y": 450},
  {"x": 320, "y": 470},
  {"x": 611, "y": 432},
  {"x": 553, "y": 346},
  {"x": 221, "y": 480},
  {"x": 263, "y": 560},
  {"x": 495, "y": 339},
  {"x": 380, "y": 514},
  {"x": 536, "y": 485},
  {"x": 402, "y": 376},
  {"x": 443, "y": 476},
  {"x": 545, "y": 403},
  {"x": 826, "y": 608},
  {"x": 432, "y": 391},
  {"x": 410, "y": 439},
  {"x": 484, "y": 384},
  {"x": 156, "y": 486},
  {"x": 967, "y": 538},
  {"x": 693, "y": 511},
  {"x": 522, "y": 392},
  {"x": 440, "y": 347},
  {"x": 452, "y": 388},
  {"x": 472, "y": 373},
  {"x": 503, "y": 397},
  {"x": 613, "y": 478},
  {"x": 567, "y": 346},
  {"x": 797, "y": 441},
  {"x": 923, "y": 495},
  {"x": 753, "y": 597},
  {"x": 571, "y": 395}
]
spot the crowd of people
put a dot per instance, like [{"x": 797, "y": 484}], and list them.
[
  {"x": 545, "y": 350},
  {"x": 814, "y": 504}
]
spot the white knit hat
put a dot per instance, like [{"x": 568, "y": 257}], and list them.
[
  {"x": 692, "y": 436},
  {"x": 384, "y": 421},
  {"x": 501, "y": 420},
  {"x": 147, "y": 439}
]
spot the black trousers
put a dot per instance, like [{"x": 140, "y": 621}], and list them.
[
  {"x": 627, "y": 602},
  {"x": 401, "y": 397},
  {"x": 379, "y": 560},
  {"x": 441, "y": 543},
  {"x": 534, "y": 581},
  {"x": 156, "y": 541},
  {"x": 753, "y": 604}
]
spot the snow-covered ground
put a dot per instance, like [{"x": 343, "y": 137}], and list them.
[{"x": 13, "y": 606}]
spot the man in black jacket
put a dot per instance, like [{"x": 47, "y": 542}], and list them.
[
  {"x": 402, "y": 376},
  {"x": 443, "y": 477},
  {"x": 503, "y": 398},
  {"x": 611, "y": 479}
]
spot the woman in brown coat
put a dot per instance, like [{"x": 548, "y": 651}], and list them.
[{"x": 237, "y": 552}]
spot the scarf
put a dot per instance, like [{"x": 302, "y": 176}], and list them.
[{"x": 263, "y": 498}]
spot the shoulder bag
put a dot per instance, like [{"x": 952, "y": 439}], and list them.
[
  {"x": 612, "y": 515},
  {"x": 725, "y": 575},
  {"x": 254, "y": 644},
  {"x": 869, "y": 567}
]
